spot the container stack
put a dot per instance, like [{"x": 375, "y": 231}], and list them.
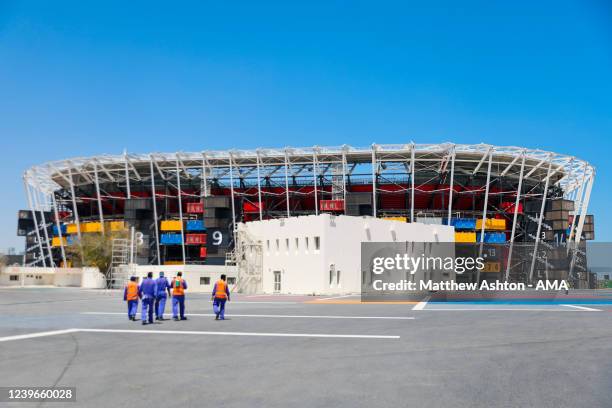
[
  {"x": 358, "y": 203},
  {"x": 557, "y": 216},
  {"x": 218, "y": 223}
]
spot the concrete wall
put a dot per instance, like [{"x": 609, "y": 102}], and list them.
[
  {"x": 191, "y": 273},
  {"x": 33, "y": 276},
  {"x": 92, "y": 278},
  {"x": 290, "y": 247}
]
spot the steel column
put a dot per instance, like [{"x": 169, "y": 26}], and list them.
[
  {"x": 180, "y": 206},
  {"x": 484, "y": 210},
  {"x": 74, "y": 204},
  {"x": 154, "y": 199},
  {"x": 97, "y": 183},
  {"x": 231, "y": 173},
  {"x": 450, "y": 192},
  {"x": 59, "y": 229},
  {"x": 259, "y": 187},
  {"x": 314, "y": 177},
  {"x": 44, "y": 225},
  {"x": 127, "y": 175},
  {"x": 287, "y": 183},
  {"x": 539, "y": 231},
  {"x": 29, "y": 197},
  {"x": 412, "y": 174},
  {"x": 374, "y": 171},
  {"x": 515, "y": 216}
]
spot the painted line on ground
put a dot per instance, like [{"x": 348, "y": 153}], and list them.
[
  {"x": 587, "y": 309},
  {"x": 359, "y": 302},
  {"x": 206, "y": 333},
  {"x": 257, "y": 334},
  {"x": 336, "y": 297},
  {"x": 39, "y": 334},
  {"x": 421, "y": 305},
  {"x": 498, "y": 309},
  {"x": 273, "y": 316}
]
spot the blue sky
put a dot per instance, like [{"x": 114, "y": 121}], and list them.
[{"x": 84, "y": 78}]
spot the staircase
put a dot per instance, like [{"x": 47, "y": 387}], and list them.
[{"x": 118, "y": 273}]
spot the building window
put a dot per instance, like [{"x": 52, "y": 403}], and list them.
[
  {"x": 14, "y": 277},
  {"x": 317, "y": 243},
  {"x": 204, "y": 280},
  {"x": 331, "y": 277},
  {"x": 338, "y": 278},
  {"x": 306, "y": 243},
  {"x": 231, "y": 281},
  {"x": 268, "y": 245},
  {"x": 297, "y": 244},
  {"x": 277, "y": 244},
  {"x": 286, "y": 244}
]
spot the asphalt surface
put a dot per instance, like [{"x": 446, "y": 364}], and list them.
[{"x": 444, "y": 355}]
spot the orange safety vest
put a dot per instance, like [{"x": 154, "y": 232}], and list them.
[
  {"x": 132, "y": 291},
  {"x": 177, "y": 287},
  {"x": 220, "y": 292}
]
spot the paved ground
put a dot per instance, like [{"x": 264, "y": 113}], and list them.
[{"x": 309, "y": 352}]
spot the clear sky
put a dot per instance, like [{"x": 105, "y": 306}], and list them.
[{"x": 84, "y": 78}]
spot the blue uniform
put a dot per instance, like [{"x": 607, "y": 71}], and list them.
[
  {"x": 147, "y": 291},
  {"x": 178, "y": 298},
  {"x": 160, "y": 298},
  {"x": 219, "y": 300}
]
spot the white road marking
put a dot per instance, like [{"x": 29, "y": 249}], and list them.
[
  {"x": 337, "y": 297},
  {"x": 38, "y": 334},
  {"x": 275, "y": 316},
  {"x": 421, "y": 305},
  {"x": 210, "y": 333},
  {"x": 220, "y": 333},
  {"x": 480, "y": 309},
  {"x": 255, "y": 302},
  {"x": 588, "y": 309}
]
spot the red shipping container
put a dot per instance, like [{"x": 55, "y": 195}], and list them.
[
  {"x": 195, "y": 208},
  {"x": 508, "y": 206},
  {"x": 195, "y": 239},
  {"x": 331, "y": 205},
  {"x": 250, "y": 207},
  {"x": 203, "y": 252}
]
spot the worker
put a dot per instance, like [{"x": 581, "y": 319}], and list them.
[
  {"x": 147, "y": 291},
  {"x": 178, "y": 297},
  {"x": 220, "y": 295},
  {"x": 131, "y": 296},
  {"x": 163, "y": 286}
]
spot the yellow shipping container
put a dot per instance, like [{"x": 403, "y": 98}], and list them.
[
  {"x": 173, "y": 263},
  {"x": 491, "y": 224},
  {"x": 117, "y": 226},
  {"x": 170, "y": 225},
  {"x": 465, "y": 237},
  {"x": 400, "y": 219},
  {"x": 55, "y": 242},
  {"x": 71, "y": 229},
  {"x": 91, "y": 227}
]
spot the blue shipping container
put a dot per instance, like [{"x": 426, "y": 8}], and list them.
[
  {"x": 62, "y": 226},
  {"x": 464, "y": 223},
  {"x": 170, "y": 239},
  {"x": 195, "y": 225},
  {"x": 493, "y": 237}
]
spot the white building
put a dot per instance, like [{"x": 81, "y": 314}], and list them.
[{"x": 320, "y": 254}]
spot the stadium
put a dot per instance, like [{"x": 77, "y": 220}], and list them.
[{"x": 187, "y": 207}]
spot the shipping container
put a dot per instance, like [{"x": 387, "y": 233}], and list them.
[
  {"x": 465, "y": 236},
  {"x": 170, "y": 239},
  {"x": 56, "y": 242},
  {"x": 171, "y": 225},
  {"x": 62, "y": 229},
  {"x": 399, "y": 219},
  {"x": 463, "y": 223},
  {"x": 250, "y": 207},
  {"x": 195, "y": 225},
  {"x": 557, "y": 215},
  {"x": 508, "y": 207},
  {"x": 87, "y": 227},
  {"x": 217, "y": 202},
  {"x": 331, "y": 205},
  {"x": 117, "y": 226},
  {"x": 195, "y": 239},
  {"x": 492, "y": 237},
  {"x": 561, "y": 204},
  {"x": 492, "y": 224},
  {"x": 203, "y": 252},
  {"x": 195, "y": 208}
]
